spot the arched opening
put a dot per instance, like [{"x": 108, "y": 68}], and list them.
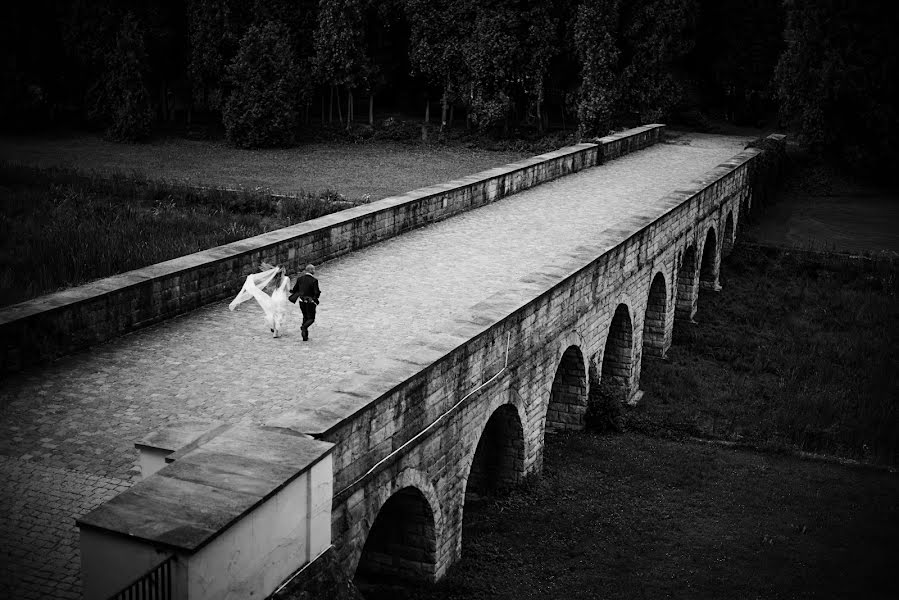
[
  {"x": 568, "y": 397},
  {"x": 654, "y": 320},
  {"x": 498, "y": 462},
  {"x": 686, "y": 294},
  {"x": 727, "y": 242},
  {"x": 401, "y": 545},
  {"x": 708, "y": 270},
  {"x": 617, "y": 358}
]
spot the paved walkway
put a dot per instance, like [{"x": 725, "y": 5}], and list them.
[{"x": 67, "y": 430}]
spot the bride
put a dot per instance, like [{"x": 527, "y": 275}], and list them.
[{"x": 275, "y": 306}]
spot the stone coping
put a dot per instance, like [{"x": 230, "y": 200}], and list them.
[
  {"x": 190, "y": 502},
  {"x": 181, "y": 436},
  {"x": 332, "y": 409}
]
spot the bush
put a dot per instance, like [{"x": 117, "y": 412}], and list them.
[
  {"x": 605, "y": 411},
  {"x": 262, "y": 108}
]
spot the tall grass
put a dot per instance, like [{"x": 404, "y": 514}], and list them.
[
  {"x": 60, "y": 227},
  {"x": 794, "y": 352}
]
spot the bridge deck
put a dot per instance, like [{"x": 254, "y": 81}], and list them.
[{"x": 67, "y": 430}]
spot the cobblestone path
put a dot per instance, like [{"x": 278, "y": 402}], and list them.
[{"x": 67, "y": 431}]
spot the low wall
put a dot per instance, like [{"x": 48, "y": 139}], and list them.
[{"x": 62, "y": 322}]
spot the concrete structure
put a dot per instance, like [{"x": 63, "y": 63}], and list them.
[
  {"x": 523, "y": 311},
  {"x": 238, "y": 512}
]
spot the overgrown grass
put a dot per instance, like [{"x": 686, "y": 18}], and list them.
[
  {"x": 61, "y": 227},
  {"x": 792, "y": 353},
  {"x": 630, "y": 516}
]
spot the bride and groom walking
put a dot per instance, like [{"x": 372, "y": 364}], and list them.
[{"x": 304, "y": 293}]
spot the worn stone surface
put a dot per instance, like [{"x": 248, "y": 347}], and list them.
[
  {"x": 387, "y": 312},
  {"x": 208, "y": 488}
]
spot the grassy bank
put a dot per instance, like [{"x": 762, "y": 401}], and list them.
[
  {"x": 60, "y": 227},
  {"x": 629, "y": 516},
  {"x": 793, "y": 352}
]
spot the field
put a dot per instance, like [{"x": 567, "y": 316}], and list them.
[
  {"x": 370, "y": 170},
  {"x": 77, "y": 209},
  {"x": 792, "y": 354}
]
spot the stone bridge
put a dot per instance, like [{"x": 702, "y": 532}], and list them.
[{"x": 440, "y": 360}]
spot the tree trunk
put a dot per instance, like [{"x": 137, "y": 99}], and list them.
[
  {"x": 443, "y": 103},
  {"x": 323, "y": 108},
  {"x": 452, "y": 115},
  {"x": 349, "y": 108},
  {"x": 539, "y": 116},
  {"x": 339, "y": 109},
  {"x": 371, "y": 110},
  {"x": 331, "y": 106}
]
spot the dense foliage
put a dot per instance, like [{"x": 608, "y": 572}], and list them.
[
  {"x": 262, "y": 108},
  {"x": 838, "y": 78},
  {"x": 504, "y": 67}
]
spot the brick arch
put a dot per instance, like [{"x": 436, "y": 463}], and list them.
[
  {"x": 497, "y": 462},
  {"x": 727, "y": 240},
  {"x": 404, "y": 531},
  {"x": 654, "y": 318},
  {"x": 685, "y": 302},
  {"x": 568, "y": 395},
  {"x": 618, "y": 355},
  {"x": 708, "y": 269}
]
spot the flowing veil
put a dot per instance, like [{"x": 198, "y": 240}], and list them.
[{"x": 276, "y": 306}]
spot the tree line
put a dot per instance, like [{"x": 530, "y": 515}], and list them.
[{"x": 267, "y": 69}]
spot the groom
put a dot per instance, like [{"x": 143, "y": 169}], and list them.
[{"x": 306, "y": 291}]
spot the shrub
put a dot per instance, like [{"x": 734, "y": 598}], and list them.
[
  {"x": 605, "y": 411},
  {"x": 262, "y": 108}
]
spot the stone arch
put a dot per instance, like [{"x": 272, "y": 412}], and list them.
[
  {"x": 685, "y": 304},
  {"x": 727, "y": 240},
  {"x": 618, "y": 356},
  {"x": 654, "y": 318},
  {"x": 568, "y": 395},
  {"x": 498, "y": 460},
  {"x": 708, "y": 269},
  {"x": 402, "y": 542},
  {"x": 406, "y": 522}
]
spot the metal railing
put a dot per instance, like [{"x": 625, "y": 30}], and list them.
[{"x": 153, "y": 585}]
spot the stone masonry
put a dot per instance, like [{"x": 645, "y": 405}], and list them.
[
  {"x": 419, "y": 439},
  {"x": 410, "y": 363}
]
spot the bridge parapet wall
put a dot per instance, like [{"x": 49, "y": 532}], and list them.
[
  {"x": 65, "y": 321},
  {"x": 420, "y": 420}
]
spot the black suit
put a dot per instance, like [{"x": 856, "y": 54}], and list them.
[{"x": 306, "y": 291}]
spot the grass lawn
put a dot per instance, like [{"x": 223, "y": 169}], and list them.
[
  {"x": 821, "y": 209},
  {"x": 630, "y": 516},
  {"x": 373, "y": 169},
  {"x": 791, "y": 353}
]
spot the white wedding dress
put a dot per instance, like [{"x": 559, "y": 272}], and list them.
[{"x": 276, "y": 306}]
